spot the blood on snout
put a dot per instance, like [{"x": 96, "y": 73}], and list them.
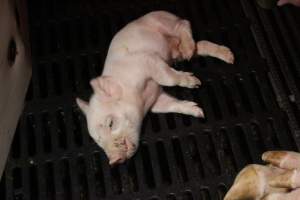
[{"x": 120, "y": 143}]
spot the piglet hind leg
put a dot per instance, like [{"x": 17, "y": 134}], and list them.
[
  {"x": 187, "y": 44},
  {"x": 179, "y": 30},
  {"x": 206, "y": 48},
  {"x": 188, "y": 48},
  {"x": 166, "y": 104}
]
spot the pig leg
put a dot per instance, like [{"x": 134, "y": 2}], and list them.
[
  {"x": 182, "y": 38},
  {"x": 164, "y": 75},
  {"x": 166, "y": 103},
  {"x": 289, "y": 179},
  {"x": 178, "y": 29},
  {"x": 283, "y": 159},
  {"x": 187, "y": 46},
  {"x": 253, "y": 183},
  {"x": 184, "y": 47},
  {"x": 206, "y": 48},
  {"x": 294, "y": 195},
  {"x": 286, "y": 160}
]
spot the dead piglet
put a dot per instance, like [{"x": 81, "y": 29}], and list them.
[{"x": 136, "y": 67}]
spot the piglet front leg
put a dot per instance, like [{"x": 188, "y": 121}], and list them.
[
  {"x": 164, "y": 75},
  {"x": 166, "y": 103}
]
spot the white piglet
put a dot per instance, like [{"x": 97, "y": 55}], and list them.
[{"x": 137, "y": 65}]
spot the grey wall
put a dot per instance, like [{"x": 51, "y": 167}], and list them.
[{"x": 15, "y": 71}]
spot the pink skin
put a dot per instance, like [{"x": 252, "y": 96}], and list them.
[
  {"x": 279, "y": 180},
  {"x": 290, "y": 162},
  {"x": 137, "y": 65},
  {"x": 293, "y": 2}
]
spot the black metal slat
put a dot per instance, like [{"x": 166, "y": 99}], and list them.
[
  {"x": 236, "y": 96},
  {"x": 57, "y": 181},
  {"x": 236, "y": 9},
  {"x": 107, "y": 177},
  {"x": 69, "y": 129},
  {"x": 74, "y": 178},
  {"x": 55, "y": 131},
  {"x": 223, "y": 12},
  {"x": 288, "y": 44},
  {"x": 171, "y": 161},
  {"x": 140, "y": 173},
  {"x": 155, "y": 165},
  {"x": 238, "y": 143},
  {"x": 97, "y": 178},
  {"x": 248, "y": 87},
  {"x": 212, "y": 18},
  {"x": 203, "y": 157},
  {"x": 255, "y": 143},
  {"x": 88, "y": 173},
  {"x": 285, "y": 72},
  {"x": 206, "y": 105},
  {"x": 190, "y": 170},
  {"x": 220, "y": 154}
]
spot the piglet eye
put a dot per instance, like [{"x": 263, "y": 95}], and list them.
[{"x": 111, "y": 124}]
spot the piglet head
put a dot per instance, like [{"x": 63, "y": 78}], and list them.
[{"x": 113, "y": 122}]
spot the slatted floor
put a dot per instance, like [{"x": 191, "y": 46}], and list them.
[{"x": 247, "y": 106}]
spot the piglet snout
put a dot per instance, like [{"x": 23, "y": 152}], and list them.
[
  {"x": 125, "y": 151},
  {"x": 116, "y": 160},
  {"x": 131, "y": 148}
]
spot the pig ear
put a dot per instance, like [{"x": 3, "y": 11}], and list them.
[
  {"x": 106, "y": 88},
  {"x": 83, "y": 105}
]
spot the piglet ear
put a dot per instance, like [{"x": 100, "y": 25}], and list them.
[
  {"x": 83, "y": 105},
  {"x": 106, "y": 88}
]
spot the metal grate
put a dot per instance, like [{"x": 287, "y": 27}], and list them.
[
  {"x": 282, "y": 27},
  {"x": 180, "y": 157}
]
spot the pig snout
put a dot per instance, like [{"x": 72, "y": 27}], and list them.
[{"x": 120, "y": 151}]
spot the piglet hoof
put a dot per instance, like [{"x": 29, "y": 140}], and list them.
[
  {"x": 197, "y": 112},
  {"x": 187, "y": 79},
  {"x": 191, "y": 108},
  {"x": 225, "y": 54},
  {"x": 187, "y": 48}
]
